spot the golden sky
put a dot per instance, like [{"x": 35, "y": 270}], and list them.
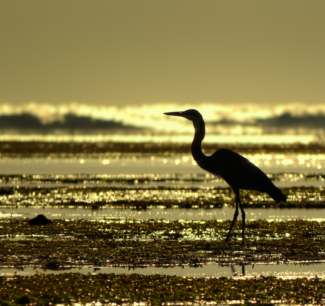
[{"x": 120, "y": 52}]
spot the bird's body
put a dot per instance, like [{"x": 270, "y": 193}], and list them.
[
  {"x": 239, "y": 173},
  {"x": 235, "y": 169}
]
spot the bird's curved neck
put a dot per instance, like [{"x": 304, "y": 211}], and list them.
[{"x": 198, "y": 137}]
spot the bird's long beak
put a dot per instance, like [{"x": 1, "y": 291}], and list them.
[{"x": 174, "y": 114}]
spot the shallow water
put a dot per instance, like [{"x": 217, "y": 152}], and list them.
[
  {"x": 139, "y": 164},
  {"x": 279, "y": 270},
  {"x": 224, "y": 213},
  {"x": 177, "y": 178}
]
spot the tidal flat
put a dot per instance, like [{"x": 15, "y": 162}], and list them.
[
  {"x": 66, "y": 245},
  {"x": 133, "y": 243},
  {"x": 125, "y": 216},
  {"x": 135, "y": 289}
]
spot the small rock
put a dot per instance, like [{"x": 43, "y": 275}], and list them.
[{"x": 39, "y": 220}]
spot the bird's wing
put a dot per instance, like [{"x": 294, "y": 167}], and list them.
[{"x": 238, "y": 171}]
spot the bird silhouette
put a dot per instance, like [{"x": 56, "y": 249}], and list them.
[{"x": 235, "y": 169}]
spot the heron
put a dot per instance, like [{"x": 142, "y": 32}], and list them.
[{"x": 235, "y": 169}]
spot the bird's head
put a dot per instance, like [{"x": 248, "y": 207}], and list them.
[{"x": 190, "y": 114}]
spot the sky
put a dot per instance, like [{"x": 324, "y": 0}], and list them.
[{"x": 127, "y": 52}]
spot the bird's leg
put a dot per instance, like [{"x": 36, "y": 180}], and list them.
[
  {"x": 243, "y": 270},
  {"x": 243, "y": 215},
  {"x": 233, "y": 221}
]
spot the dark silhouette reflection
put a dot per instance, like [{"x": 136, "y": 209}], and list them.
[
  {"x": 234, "y": 272},
  {"x": 235, "y": 169},
  {"x": 141, "y": 207}
]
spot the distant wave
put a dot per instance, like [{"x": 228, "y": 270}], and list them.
[
  {"x": 71, "y": 124},
  {"x": 283, "y": 121},
  {"x": 230, "y": 119}
]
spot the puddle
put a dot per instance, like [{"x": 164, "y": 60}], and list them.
[
  {"x": 224, "y": 213},
  {"x": 287, "y": 271}
]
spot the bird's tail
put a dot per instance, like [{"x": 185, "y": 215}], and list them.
[{"x": 276, "y": 194}]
